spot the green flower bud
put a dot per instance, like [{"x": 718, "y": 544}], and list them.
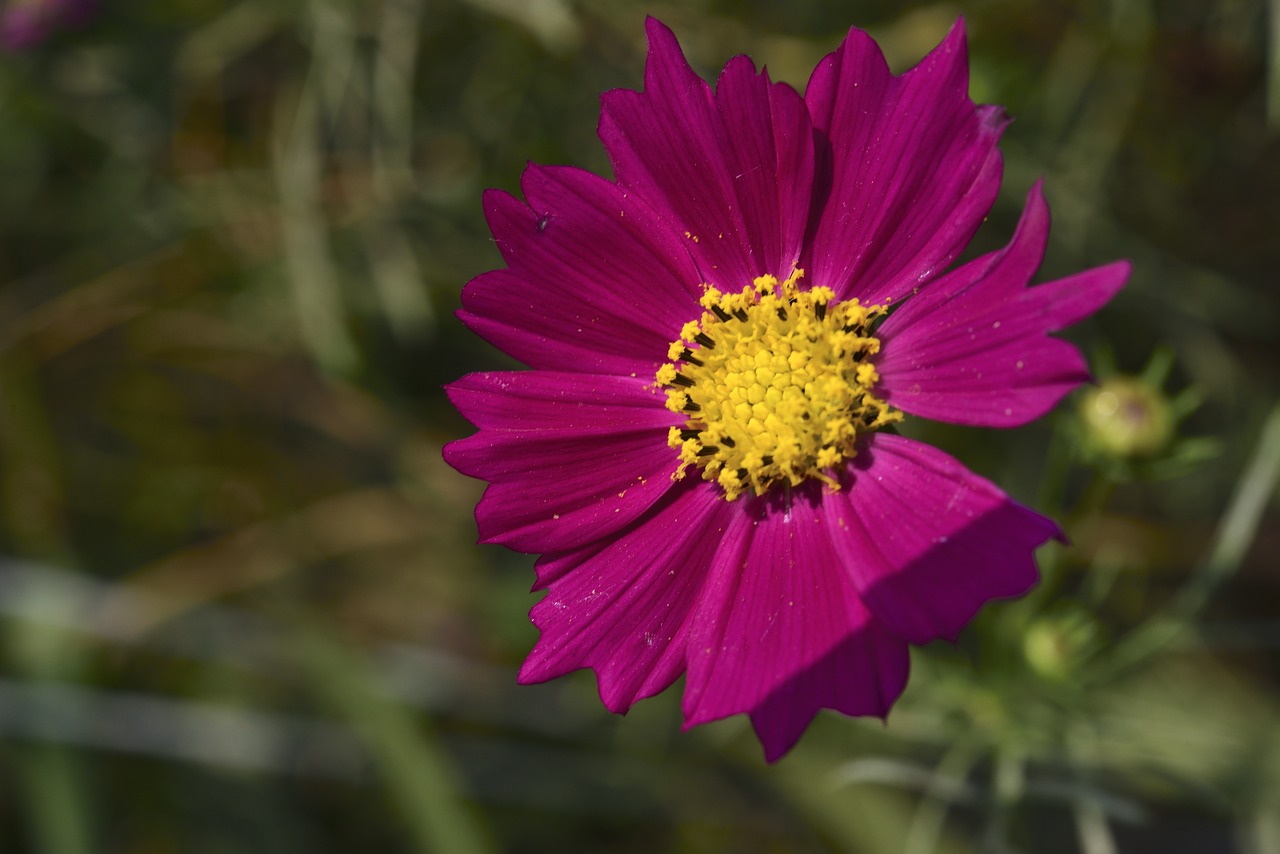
[
  {"x": 1055, "y": 646},
  {"x": 1126, "y": 417}
]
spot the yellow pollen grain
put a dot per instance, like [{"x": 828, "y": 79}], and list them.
[{"x": 776, "y": 384}]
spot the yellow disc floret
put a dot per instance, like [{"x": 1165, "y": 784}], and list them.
[{"x": 776, "y": 384}]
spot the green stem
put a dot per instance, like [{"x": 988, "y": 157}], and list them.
[
  {"x": 415, "y": 769},
  {"x": 927, "y": 821},
  {"x": 1231, "y": 541},
  {"x": 55, "y": 799}
]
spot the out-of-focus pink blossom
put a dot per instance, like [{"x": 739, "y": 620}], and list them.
[{"x": 26, "y": 23}]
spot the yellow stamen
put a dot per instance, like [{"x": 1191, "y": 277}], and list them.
[{"x": 775, "y": 384}]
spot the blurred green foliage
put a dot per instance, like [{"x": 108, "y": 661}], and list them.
[{"x": 240, "y": 603}]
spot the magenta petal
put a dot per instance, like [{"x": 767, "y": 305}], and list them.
[
  {"x": 862, "y": 675},
  {"x": 624, "y": 608},
  {"x": 731, "y": 171},
  {"x": 596, "y": 283},
  {"x": 570, "y": 457},
  {"x": 973, "y": 346},
  {"x": 913, "y": 167},
  {"x": 782, "y": 633},
  {"x": 552, "y": 400},
  {"x": 927, "y": 542}
]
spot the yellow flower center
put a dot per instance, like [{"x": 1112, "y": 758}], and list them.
[{"x": 777, "y": 385}]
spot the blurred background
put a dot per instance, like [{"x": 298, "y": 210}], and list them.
[{"x": 241, "y": 607}]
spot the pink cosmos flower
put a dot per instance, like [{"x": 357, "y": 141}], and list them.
[{"x": 718, "y": 338}]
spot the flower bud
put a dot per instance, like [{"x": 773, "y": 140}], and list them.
[
  {"x": 1126, "y": 417},
  {"x": 1054, "y": 646}
]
